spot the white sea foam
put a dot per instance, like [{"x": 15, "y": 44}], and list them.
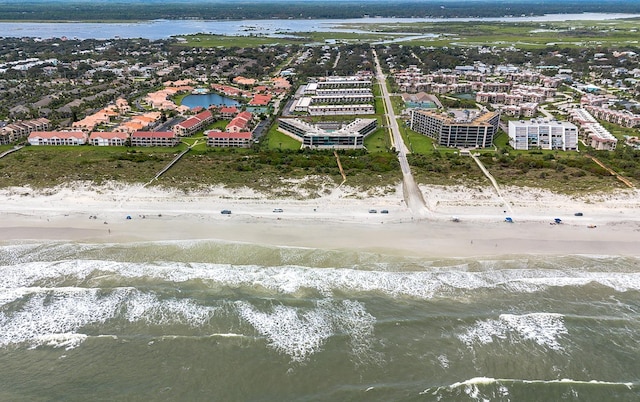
[
  {"x": 545, "y": 329},
  {"x": 292, "y": 279},
  {"x": 288, "y": 331},
  {"x": 56, "y": 317},
  {"x": 63, "y": 312},
  {"x": 444, "y": 361},
  {"x": 67, "y": 341},
  {"x": 300, "y": 334},
  {"x": 11, "y": 295},
  {"x": 146, "y": 307},
  {"x": 472, "y": 387}
]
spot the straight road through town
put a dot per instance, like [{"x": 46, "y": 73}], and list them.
[{"x": 412, "y": 194}]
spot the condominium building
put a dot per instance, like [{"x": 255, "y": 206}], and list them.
[
  {"x": 227, "y": 139},
  {"x": 592, "y": 132},
  {"x": 332, "y": 135},
  {"x": 621, "y": 117},
  {"x": 459, "y": 129},
  {"x": 328, "y": 110},
  {"x": 57, "y": 138},
  {"x": 15, "y": 131},
  {"x": 193, "y": 124},
  {"x": 335, "y": 96},
  {"x": 106, "y": 138},
  {"x": 336, "y": 83},
  {"x": 543, "y": 134},
  {"x": 154, "y": 139}
]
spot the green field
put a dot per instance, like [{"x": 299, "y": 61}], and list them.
[
  {"x": 209, "y": 40},
  {"x": 520, "y": 34},
  {"x": 252, "y": 40}
]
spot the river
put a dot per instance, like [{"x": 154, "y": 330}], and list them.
[{"x": 163, "y": 29}]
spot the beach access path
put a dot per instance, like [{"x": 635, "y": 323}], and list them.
[{"x": 412, "y": 194}]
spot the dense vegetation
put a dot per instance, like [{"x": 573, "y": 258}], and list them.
[
  {"x": 261, "y": 169},
  {"x": 148, "y": 10}
]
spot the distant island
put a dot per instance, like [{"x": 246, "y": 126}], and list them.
[{"x": 12, "y": 10}]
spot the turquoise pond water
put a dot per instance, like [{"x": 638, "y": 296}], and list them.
[{"x": 206, "y": 100}]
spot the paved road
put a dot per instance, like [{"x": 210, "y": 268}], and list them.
[{"x": 412, "y": 194}]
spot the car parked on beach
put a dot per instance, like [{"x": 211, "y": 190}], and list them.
[
  {"x": 578, "y": 214},
  {"x": 384, "y": 211},
  {"x": 278, "y": 210},
  {"x": 373, "y": 211},
  {"x": 225, "y": 212}
]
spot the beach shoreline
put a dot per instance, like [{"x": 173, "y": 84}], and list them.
[{"x": 342, "y": 219}]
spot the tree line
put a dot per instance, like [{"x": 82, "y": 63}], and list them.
[{"x": 218, "y": 10}]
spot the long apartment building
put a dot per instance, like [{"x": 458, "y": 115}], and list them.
[
  {"x": 337, "y": 82},
  {"x": 58, "y": 138},
  {"x": 108, "y": 138},
  {"x": 154, "y": 139},
  {"x": 461, "y": 131},
  {"x": 333, "y": 110},
  {"x": 336, "y": 96},
  {"x": 329, "y": 135},
  {"x": 621, "y": 117},
  {"x": 16, "y": 131},
  {"x": 230, "y": 140},
  {"x": 592, "y": 132},
  {"x": 543, "y": 134}
]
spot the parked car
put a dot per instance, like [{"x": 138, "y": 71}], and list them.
[
  {"x": 225, "y": 212},
  {"x": 384, "y": 211},
  {"x": 278, "y": 210},
  {"x": 578, "y": 214},
  {"x": 373, "y": 211}
]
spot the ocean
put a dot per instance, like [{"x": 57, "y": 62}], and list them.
[{"x": 222, "y": 321}]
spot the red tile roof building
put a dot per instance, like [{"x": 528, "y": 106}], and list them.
[
  {"x": 57, "y": 138},
  {"x": 100, "y": 138},
  {"x": 193, "y": 124},
  {"x": 228, "y": 112},
  {"x": 154, "y": 139},
  {"x": 239, "y": 123},
  {"x": 260, "y": 100},
  {"x": 226, "y": 139}
]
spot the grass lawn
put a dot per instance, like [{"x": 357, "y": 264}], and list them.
[
  {"x": 178, "y": 98},
  {"x": 398, "y": 104},
  {"x": 277, "y": 140},
  {"x": 378, "y": 141},
  {"x": 4, "y": 148},
  {"x": 416, "y": 142},
  {"x": 501, "y": 140}
]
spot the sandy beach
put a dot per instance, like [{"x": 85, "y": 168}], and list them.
[{"x": 610, "y": 224}]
